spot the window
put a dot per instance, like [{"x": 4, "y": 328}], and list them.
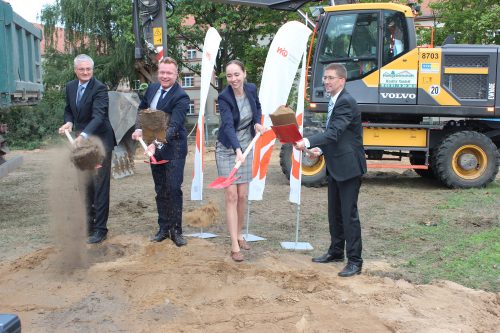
[
  {"x": 216, "y": 83},
  {"x": 395, "y": 38},
  {"x": 191, "y": 54},
  {"x": 350, "y": 39},
  {"x": 188, "y": 81},
  {"x": 216, "y": 109},
  {"x": 191, "y": 107}
]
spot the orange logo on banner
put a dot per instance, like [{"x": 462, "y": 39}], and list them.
[
  {"x": 296, "y": 164},
  {"x": 262, "y": 164},
  {"x": 282, "y": 51},
  {"x": 199, "y": 146},
  {"x": 295, "y": 167},
  {"x": 300, "y": 118}
]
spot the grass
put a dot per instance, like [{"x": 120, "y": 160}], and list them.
[{"x": 462, "y": 245}]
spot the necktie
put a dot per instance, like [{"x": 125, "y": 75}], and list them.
[
  {"x": 79, "y": 94},
  {"x": 163, "y": 93},
  {"x": 330, "y": 110}
]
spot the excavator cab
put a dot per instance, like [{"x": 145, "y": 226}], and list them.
[{"x": 364, "y": 38}]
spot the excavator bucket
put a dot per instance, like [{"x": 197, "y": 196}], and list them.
[{"x": 122, "y": 114}]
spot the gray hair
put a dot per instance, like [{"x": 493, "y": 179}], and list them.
[{"x": 81, "y": 58}]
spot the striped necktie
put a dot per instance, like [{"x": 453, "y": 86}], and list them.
[{"x": 330, "y": 111}]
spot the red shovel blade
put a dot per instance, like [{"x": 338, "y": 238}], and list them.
[
  {"x": 223, "y": 182},
  {"x": 154, "y": 161}
]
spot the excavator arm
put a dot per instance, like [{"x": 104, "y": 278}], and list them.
[{"x": 289, "y": 5}]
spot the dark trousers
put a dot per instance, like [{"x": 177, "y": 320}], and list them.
[
  {"x": 98, "y": 196},
  {"x": 343, "y": 218},
  {"x": 168, "y": 180}
]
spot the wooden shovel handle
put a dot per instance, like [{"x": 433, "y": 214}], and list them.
[
  {"x": 143, "y": 144},
  {"x": 245, "y": 153},
  {"x": 70, "y": 138}
]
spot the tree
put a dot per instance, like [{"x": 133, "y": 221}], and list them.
[
  {"x": 471, "y": 21},
  {"x": 102, "y": 29},
  {"x": 246, "y": 33}
]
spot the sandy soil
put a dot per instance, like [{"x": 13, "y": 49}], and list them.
[{"x": 128, "y": 284}]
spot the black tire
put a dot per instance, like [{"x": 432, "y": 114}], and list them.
[
  {"x": 466, "y": 159},
  {"x": 418, "y": 158},
  {"x": 313, "y": 170}
]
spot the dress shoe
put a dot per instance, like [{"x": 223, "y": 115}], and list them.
[
  {"x": 237, "y": 256},
  {"x": 327, "y": 257},
  {"x": 350, "y": 269},
  {"x": 177, "y": 238},
  {"x": 97, "y": 237},
  {"x": 161, "y": 235},
  {"x": 243, "y": 244}
]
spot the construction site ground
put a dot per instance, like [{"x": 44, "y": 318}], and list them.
[{"x": 56, "y": 283}]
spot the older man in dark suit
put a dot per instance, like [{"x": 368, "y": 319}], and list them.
[
  {"x": 342, "y": 145},
  {"x": 87, "y": 113},
  {"x": 168, "y": 96}
]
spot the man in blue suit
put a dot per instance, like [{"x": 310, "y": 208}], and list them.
[
  {"x": 86, "y": 112},
  {"x": 168, "y": 96},
  {"x": 342, "y": 145}
]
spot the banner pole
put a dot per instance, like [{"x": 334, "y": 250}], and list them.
[
  {"x": 248, "y": 236},
  {"x": 297, "y": 224}
]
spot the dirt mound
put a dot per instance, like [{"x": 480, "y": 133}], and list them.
[
  {"x": 132, "y": 285},
  {"x": 201, "y": 217}
]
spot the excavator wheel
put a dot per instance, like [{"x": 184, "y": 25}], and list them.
[
  {"x": 313, "y": 168},
  {"x": 466, "y": 159}
]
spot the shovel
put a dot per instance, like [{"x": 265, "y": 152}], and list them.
[
  {"x": 72, "y": 142},
  {"x": 152, "y": 159},
  {"x": 222, "y": 182}
]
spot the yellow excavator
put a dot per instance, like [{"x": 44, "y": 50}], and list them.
[{"x": 438, "y": 106}]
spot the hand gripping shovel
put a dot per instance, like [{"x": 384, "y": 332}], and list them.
[
  {"x": 222, "y": 182},
  {"x": 152, "y": 159},
  {"x": 83, "y": 158}
]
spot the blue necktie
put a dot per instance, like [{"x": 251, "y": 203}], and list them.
[
  {"x": 79, "y": 95},
  {"x": 330, "y": 111},
  {"x": 163, "y": 94}
]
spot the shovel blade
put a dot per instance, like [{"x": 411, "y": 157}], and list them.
[
  {"x": 217, "y": 183},
  {"x": 154, "y": 161},
  {"x": 223, "y": 182}
]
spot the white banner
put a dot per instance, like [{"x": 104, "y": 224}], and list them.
[
  {"x": 279, "y": 73},
  {"x": 210, "y": 49},
  {"x": 296, "y": 171}
]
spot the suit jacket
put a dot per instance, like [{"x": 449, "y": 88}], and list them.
[
  {"x": 176, "y": 103},
  {"x": 342, "y": 141},
  {"x": 92, "y": 116},
  {"x": 230, "y": 114}
]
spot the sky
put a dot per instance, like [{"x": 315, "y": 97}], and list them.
[{"x": 29, "y": 9}]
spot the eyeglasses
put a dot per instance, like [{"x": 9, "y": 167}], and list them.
[
  {"x": 331, "y": 78},
  {"x": 87, "y": 69}
]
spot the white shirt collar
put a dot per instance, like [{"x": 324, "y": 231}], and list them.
[{"x": 334, "y": 98}]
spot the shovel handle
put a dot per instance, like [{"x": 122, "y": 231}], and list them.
[
  {"x": 247, "y": 151},
  {"x": 70, "y": 138},
  {"x": 143, "y": 144}
]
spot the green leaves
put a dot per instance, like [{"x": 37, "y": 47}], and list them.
[
  {"x": 246, "y": 32},
  {"x": 101, "y": 29},
  {"x": 471, "y": 21}
]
